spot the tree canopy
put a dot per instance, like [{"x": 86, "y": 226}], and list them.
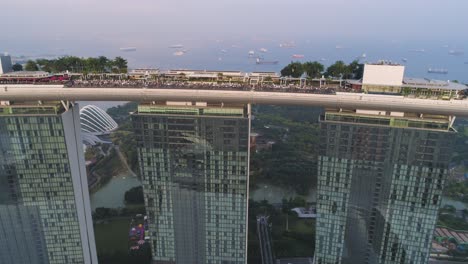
[
  {"x": 120, "y": 63},
  {"x": 353, "y": 70},
  {"x": 338, "y": 69},
  {"x": 100, "y": 64},
  {"x": 31, "y": 66},
  {"x": 17, "y": 67},
  {"x": 293, "y": 69},
  {"x": 295, "y": 131},
  {"x": 357, "y": 69},
  {"x": 135, "y": 195},
  {"x": 313, "y": 69}
]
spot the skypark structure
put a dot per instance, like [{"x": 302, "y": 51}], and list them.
[
  {"x": 337, "y": 101},
  {"x": 385, "y": 145},
  {"x": 383, "y": 88}
]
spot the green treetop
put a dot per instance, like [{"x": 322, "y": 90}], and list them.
[
  {"x": 293, "y": 69},
  {"x": 313, "y": 69},
  {"x": 17, "y": 67},
  {"x": 338, "y": 69},
  {"x": 31, "y": 66}
]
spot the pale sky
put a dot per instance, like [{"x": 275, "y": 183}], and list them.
[{"x": 38, "y": 26}]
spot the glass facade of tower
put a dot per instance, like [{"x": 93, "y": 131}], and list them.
[
  {"x": 380, "y": 182},
  {"x": 194, "y": 160},
  {"x": 44, "y": 202}
]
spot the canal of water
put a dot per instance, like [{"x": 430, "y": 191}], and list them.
[
  {"x": 112, "y": 194},
  {"x": 457, "y": 204}
]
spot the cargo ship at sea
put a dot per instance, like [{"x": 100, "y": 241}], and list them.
[
  {"x": 128, "y": 49},
  {"x": 438, "y": 71},
  {"x": 264, "y": 62},
  {"x": 287, "y": 45},
  {"x": 176, "y": 46},
  {"x": 456, "y": 52}
]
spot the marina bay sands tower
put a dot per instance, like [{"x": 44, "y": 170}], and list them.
[
  {"x": 45, "y": 215},
  {"x": 380, "y": 181},
  {"x": 194, "y": 160}
]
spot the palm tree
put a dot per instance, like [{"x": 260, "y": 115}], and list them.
[{"x": 121, "y": 64}]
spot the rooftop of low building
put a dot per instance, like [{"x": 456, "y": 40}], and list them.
[
  {"x": 25, "y": 74},
  {"x": 421, "y": 83}
]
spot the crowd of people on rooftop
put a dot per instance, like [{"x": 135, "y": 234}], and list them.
[
  {"x": 298, "y": 86},
  {"x": 179, "y": 84}
]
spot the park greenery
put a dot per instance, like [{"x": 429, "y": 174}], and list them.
[
  {"x": 448, "y": 218},
  {"x": 92, "y": 153},
  {"x": 100, "y": 64},
  {"x": 135, "y": 195},
  {"x": 295, "y": 133},
  {"x": 125, "y": 139},
  {"x": 120, "y": 113},
  {"x": 31, "y": 66},
  {"x": 293, "y": 69},
  {"x": 457, "y": 190},
  {"x": 124, "y": 136},
  {"x": 109, "y": 165},
  {"x": 17, "y": 67},
  {"x": 111, "y": 228},
  {"x": 291, "y": 236},
  {"x": 106, "y": 162},
  {"x": 314, "y": 69},
  {"x": 284, "y": 167}
]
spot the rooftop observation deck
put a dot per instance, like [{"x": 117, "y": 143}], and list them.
[
  {"x": 18, "y": 109},
  {"x": 321, "y": 98},
  {"x": 400, "y": 120}
]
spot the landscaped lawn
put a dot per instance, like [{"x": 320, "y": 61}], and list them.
[
  {"x": 112, "y": 236},
  {"x": 299, "y": 241}
]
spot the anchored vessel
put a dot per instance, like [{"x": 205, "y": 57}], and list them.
[
  {"x": 262, "y": 61},
  {"x": 456, "y": 52},
  {"x": 128, "y": 49},
  {"x": 439, "y": 71}
]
